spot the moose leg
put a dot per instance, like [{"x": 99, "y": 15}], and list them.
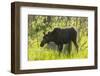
[
  {"x": 60, "y": 47},
  {"x": 69, "y": 48},
  {"x": 75, "y": 43}
]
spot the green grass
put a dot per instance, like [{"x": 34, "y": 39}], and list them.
[{"x": 38, "y": 53}]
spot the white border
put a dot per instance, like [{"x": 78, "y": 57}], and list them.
[{"x": 25, "y": 64}]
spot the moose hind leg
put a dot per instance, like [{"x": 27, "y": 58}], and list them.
[
  {"x": 69, "y": 48},
  {"x": 76, "y": 45}
]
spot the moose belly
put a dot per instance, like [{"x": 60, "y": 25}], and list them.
[{"x": 65, "y": 38}]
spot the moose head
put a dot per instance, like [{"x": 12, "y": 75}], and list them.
[{"x": 46, "y": 39}]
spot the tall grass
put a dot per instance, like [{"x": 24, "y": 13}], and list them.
[{"x": 36, "y": 52}]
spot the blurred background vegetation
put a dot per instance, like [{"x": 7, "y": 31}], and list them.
[{"x": 37, "y": 24}]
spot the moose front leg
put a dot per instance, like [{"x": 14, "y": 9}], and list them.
[{"x": 60, "y": 47}]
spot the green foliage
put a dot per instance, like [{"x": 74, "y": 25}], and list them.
[{"x": 39, "y": 24}]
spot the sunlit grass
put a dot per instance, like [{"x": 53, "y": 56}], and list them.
[
  {"x": 40, "y": 53},
  {"x": 35, "y": 52}
]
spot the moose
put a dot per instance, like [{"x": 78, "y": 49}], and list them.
[{"x": 61, "y": 36}]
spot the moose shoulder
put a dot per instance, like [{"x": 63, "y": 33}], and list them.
[{"x": 61, "y": 36}]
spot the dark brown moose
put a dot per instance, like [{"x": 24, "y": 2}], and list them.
[{"x": 61, "y": 36}]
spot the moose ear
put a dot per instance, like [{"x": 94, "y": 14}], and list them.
[
  {"x": 44, "y": 33},
  {"x": 49, "y": 33}
]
